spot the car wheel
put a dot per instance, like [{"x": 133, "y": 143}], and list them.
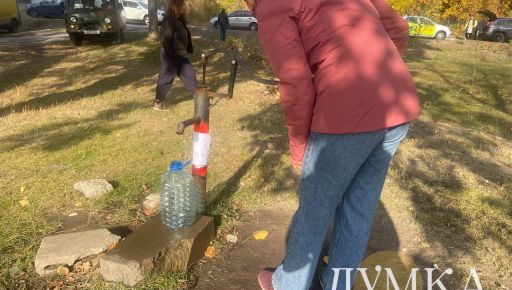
[
  {"x": 33, "y": 13},
  {"x": 253, "y": 26},
  {"x": 76, "y": 39},
  {"x": 441, "y": 35},
  {"x": 13, "y": 27},
  {"x": 146, "y": 20},
  {"x": 499, "y": 37}
]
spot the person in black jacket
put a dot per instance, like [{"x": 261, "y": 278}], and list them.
[
  {"x": 223, "y": 21},
  {"x": 176, "y": 43}
]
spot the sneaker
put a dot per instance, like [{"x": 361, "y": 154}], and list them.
[
  {"x": 159, "y": 105},
  {"x": 265, "y": 278}
]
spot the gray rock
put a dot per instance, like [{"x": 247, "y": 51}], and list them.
[
  {"x": 13, "y": 271},
  {"x": 94, "y": 188},
  {"x": 152, "y": 202},
  {"x": 155, "y": 248},
  {"x": 66, "y": 249}
]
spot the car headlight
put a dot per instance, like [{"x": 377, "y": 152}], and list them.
[
  {"x": 73, "y": 19},
  {"x": 107, "y": 20}
]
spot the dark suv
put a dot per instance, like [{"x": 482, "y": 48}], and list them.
[
  {"x": 93, "y": 19},
  {"x": 499, "y": 30}
]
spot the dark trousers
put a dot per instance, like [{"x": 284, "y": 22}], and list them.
[
  {"x": 223, "y": 33},
  {"x": 170, "y": 67},
  {"x": 470, "y": 35}
]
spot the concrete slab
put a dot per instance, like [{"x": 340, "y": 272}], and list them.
[
  {"x": 66, "y": 249},
  {"x": 154, "y": 247}
]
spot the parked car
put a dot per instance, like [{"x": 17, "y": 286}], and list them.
[
  {"x": 47, "y": 9},
  {"x": 93, "y": 19},
  {"x": 424, "y": 27},
  {"x": 9, "y": 15},
  {"x": 238, "y": 19},
  {"x": 499, "y": 30},
  {"x": 138, "y": 11}
]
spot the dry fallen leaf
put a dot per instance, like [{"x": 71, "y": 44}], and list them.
[
  {"x": 260, "y": 235},
  {"x": 24, "y": 202},
  {"x": 22, "y": 189},
  {"x": 149, "y": 212},
  {"x": 72, "y": 214},
  {"x": 111, "y": 247},
  {"x": 78, "y": 267},
  {"x": 210, "y": 252},
  {"x": 63, "y": 271}
]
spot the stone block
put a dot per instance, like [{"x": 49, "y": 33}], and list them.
[{"x": 154, "y": 247}]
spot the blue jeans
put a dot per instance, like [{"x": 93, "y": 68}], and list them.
[
  {"x": 342, "y": 178},
  {"x": 222, "y": 33}
]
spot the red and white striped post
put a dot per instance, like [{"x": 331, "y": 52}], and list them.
[
  {"x": 201, "y": 151},
  {"x": 201, "y": 142}
]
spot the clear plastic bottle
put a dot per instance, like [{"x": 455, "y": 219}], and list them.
[{"x": 178, "y": 205}]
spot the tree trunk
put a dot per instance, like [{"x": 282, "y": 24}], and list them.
[{"x": 153, "y": 20}]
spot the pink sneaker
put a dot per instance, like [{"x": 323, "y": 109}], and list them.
[{"x": 265, "y": 278}]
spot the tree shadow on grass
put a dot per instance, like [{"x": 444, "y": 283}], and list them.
[
  {"x": 439, "y": 108},
  {"x": 61, "y": 135},
  {"x": 439, "y": 192},
  {"x": 130, "y": 73},
  {"x": 222, "y": 193},
  {"x": 32, "y": 62},
  {"x": 101, "y": 86},
  {"x": 417, "y": 49}
]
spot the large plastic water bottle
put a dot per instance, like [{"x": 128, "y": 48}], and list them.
[{"x": 178, "y": 205}]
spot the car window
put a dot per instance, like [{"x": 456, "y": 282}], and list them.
[
  {"x": 106, "y": 4},
  {"x": 504, "y": 22},
  {"x": 426, "y": 21},
  {"x": 130, "y": 4},
  {"x": 412, "y": 19},
  {"x": 247, "y": 14},
  {"x": 235, "y": 14},
  {"x": 144, "y": 5}
]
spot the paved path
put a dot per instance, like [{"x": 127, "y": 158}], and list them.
[{"x": 48, "y": 36}]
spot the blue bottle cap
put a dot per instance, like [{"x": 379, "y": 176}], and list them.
[{"x": 176, "y": 165}]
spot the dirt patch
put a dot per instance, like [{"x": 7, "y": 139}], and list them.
[{"x": 237, "y": 267}]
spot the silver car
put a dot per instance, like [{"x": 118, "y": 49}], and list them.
[
  {"x": 238, "y": 19},
  {"x": 137, "y": 10}
]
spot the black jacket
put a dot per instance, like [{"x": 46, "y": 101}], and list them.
[
  {"x": 175, "y": 36},
  {"x": 223, "y": 20}
]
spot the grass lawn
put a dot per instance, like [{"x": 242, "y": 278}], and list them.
[{"x": 70, "y": 114}]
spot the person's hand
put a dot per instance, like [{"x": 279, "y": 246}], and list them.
[{"x": 297, "y": 168}]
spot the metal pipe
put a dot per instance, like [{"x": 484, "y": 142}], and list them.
[
  {"x": 232, "y": 78},
  {"x": 183, "y": 125},
  {"x": 205, "y": 63}
]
